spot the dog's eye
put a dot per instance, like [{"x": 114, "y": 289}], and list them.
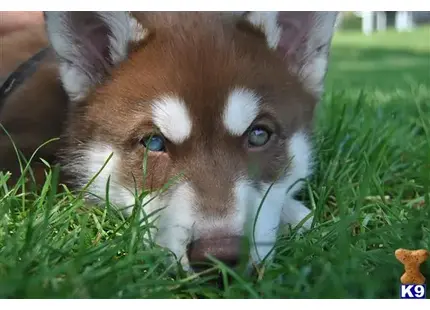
[
  {"x": 154, "y": 143},
  {"x": 258, "y": 136}
]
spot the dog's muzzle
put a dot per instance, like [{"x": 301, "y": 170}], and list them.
[{"x": 227, "y": 250}]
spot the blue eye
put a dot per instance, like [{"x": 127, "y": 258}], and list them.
[
  {"x": 154, "y": 143},
  {"x": 258, "y": 136}
]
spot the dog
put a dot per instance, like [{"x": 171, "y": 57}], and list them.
[{"x": 221, "y": 103}]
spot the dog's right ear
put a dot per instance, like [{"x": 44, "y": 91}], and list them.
[
  {"x": 302, "y": 39},
  {"x": 89, "y": 45}
]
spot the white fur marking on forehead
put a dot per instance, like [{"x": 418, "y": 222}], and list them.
[
  {"x": 241, "y": 110},
  {"x": 267, "y": 22},
  {"x": 171, "y": 116}
]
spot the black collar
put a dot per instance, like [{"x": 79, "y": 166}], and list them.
[{"x": 17, "y": 77}]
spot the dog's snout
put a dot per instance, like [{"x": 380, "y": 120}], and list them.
[{"x": 227, "y": 250}]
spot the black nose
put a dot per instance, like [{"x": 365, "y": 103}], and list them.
[{"x": 227, "y": 250}]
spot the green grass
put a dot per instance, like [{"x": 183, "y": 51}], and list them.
[
  {"x": 370, "y": 194},
  {"x": 386, "y": 62}
]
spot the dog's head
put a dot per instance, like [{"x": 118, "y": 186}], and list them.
[{"x": 217, "y": 104}]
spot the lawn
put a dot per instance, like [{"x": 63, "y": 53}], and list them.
[
  {"x": 370, "y": 194},
  {"x": 390, "y": 61}
]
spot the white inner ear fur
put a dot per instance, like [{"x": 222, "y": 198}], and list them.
[
  {"x": 267, "y": 22},
  {"x": 138, "y": 33},
  {"x": 312, "y": 74},
  {"x": 310, "y": 64},
  {"x": 171, "y": 116},
  {"x": 241, "y": 109},
  {"x": 124, "y": 28},
  {"x": 75, "y": 82}
]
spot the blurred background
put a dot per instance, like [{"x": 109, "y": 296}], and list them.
[{"x": 384, "y": 51}]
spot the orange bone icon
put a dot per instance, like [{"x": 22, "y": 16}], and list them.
[{"x": 412, "y": 259}]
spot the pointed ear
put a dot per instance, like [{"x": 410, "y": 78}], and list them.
[
  {"x": 302, "y": 38},
  {"x": 89, "y": 45}
]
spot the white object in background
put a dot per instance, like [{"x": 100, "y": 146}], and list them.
[
  {"x": 404, "y": 21},
  {"x": 381, "y": 21},
  {"x": 367, "y": 25}
]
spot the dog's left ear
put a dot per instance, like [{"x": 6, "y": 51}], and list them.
[
  {"x": 302, "y": 38},
  {"x": 89, "y": 44}
]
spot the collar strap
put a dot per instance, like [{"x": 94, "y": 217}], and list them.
[{"x": 17, "y": 77}]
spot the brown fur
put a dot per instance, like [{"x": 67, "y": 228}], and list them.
[
  {"x": 199, "y": 59},
  {"x": 202, "y": 59}
]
